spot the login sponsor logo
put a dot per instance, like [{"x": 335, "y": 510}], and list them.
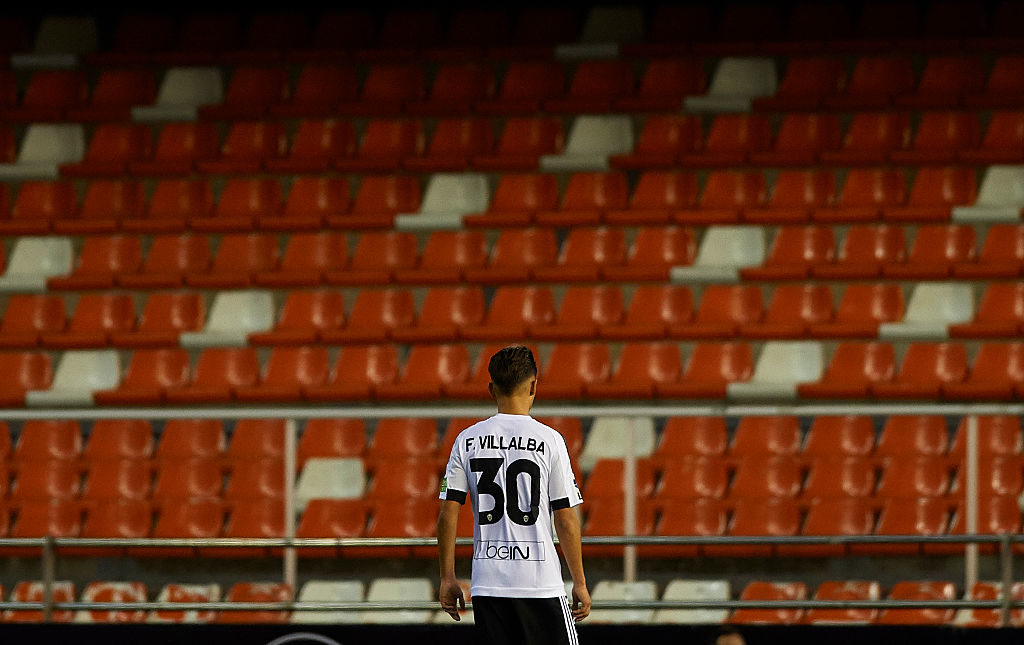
[{"x": 501, "y": 550}]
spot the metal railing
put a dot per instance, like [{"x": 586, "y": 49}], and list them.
[{"x": 50, "y": 547}]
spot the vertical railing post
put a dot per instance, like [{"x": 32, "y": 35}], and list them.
[
  {"x": 971, "y": 510},
  {"x": 290, "y": 563},
  {"x": 629, "y": 503},
  {"x": 1006, "y": 575},
  {"x": 49, "y": 566}
]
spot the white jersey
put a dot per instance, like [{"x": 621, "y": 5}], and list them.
[{"x": 516, "y": 471}]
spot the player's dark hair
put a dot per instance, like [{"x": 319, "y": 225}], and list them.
[{"x": 510, "y": 366}]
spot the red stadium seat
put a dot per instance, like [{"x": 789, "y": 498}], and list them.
[
  {"x": 149, "y": 374},
  {"x": 330, "y": 518},
  {"x": 386, "y": 88},
  {"x": 331, "y": 438},
  {"x": 804, "y": 84},
  {"x": 135, "y": 39},
  {"x": 662, "y": 139},
  {"x": 515, "y": 254},
  {"x": 287, "y": 372},
  {"x": 997, "y": 435},
  {"x": 874, "y": 82},
  {"x": 241, "y": 204},
  {"x": 169, "y": 259},
  {"x": 113, "y": 478},
  {"x": 184, "y": 518},
  {"x": 191, "y": 438},
  {"x": 246, "y": 147},
  {"x": 307, "y": 259},
  {"x": 801, "y": 139},
  {"x": 585, "y": 253},
  {"x": 257, "y": 592},
  {"x": 428, "y": 370},
  {"x": 606, "y": 516},
  {"x": 709, "y": 368},
  {"x": 571, "y": 367},
  {"x": 248, "y": 93},
  {"x": 726, "y": 194},
  {"x": 996, "y": 515},
  {"x": 870, "y": 138},
  {"x": 864, "y": 252},
  {"x": 178, "y": 147},
  {"x": 584, "y": 310},
  {"x": 834, "y": 476},
  {"x": 524, "y": 86},
  {"x": 855, "y": 367},
  {"x": 97, "y": 316},
  {"x": 318, "y": 89},
  {"x": 936, "y": 191},
  {"x": 652, "y": 310},
  {"x": 112, "y": 592},
  {"x": 173, "y": 203},
  {"x": 403, "y": 438},
  {"x": 864, "y": 195},
  {"x": 657, "y": 194},
  {"x": 311, "y": 201},
  {"x": 384, "y": 144},
  {"x": 772, "y": 516},
  {"x": 794, "y": 308},
  {"x": 112, "y": 149},
  {"x": 268, "y": 36},
  {"x": 357, "y": 372},
  {"x": 304, "y": 315},
  {"x": 25, "y": 371},
  {"x": 850, "y": 590},
  {"x": 202, "y": 38},
  {"x": 445, "y": 312},
  {"x": 663, "y": 86},
  {"x": 516, "y": 200},
  {"x": 522, "y": 143},
  {"x": 446, "y": 257},
  {"x": 105, "y": 205},
  {"x": 771, "y": 591},
  {"x": 944, "y": 82},
  {"x": 454, "y": 90},
  {"x": 52, "y": 479},
  {"x": 38, "y": 204},
  {"x": 27, "y": 317},
  {"x": 861, "y": 309},
  {"x": 120, "y": 518},
  {"x": 998, "y": 315},
  {"x": 1003, "y": 87},
  {"x": 374, "y": 316},
  {"x": 46, "y": 440},
  {"x": 217, "y": 372},
  {"x": 684, "y": 437},
  {"x": 925, "y": 369},
  {"x": 240, "y": 257},
  {"x": 995, "y": 374},
  {"x": 187, "y": 478},
  {"x": 25, "y": 591},
  {"x": 934, "y": 252},
  {"x": 764, "y": 475},
  {"x": 1001, "y": 256},
  {"x": 377, "y": 256},
  {"x": 763, "y": 436},
  {"x": 453, "y": 144},
  {"x": 316, "y": 144},
  {"x": 721, "y": 312},
  {"x": 914, "y": 477},
  {"x": 595, "y": 84},
  {"x": 256, "y": 479},
  {"x": 412, "y": 518},
  {"x": 49, "y": 93},
  {"x": 913, "y": 435},
  {"x": 100, "y": 262},
  {"x": 641, "y": 368},
  {"x": 586, "y": 199},
  {"x": 1002, "y": 143},
  {"x": 653, "y": 252},
  {"x": 697, "y": 517},
  {"x": 692, "y": 478},
  {"x": 399, "y": 480},
  {"x": 163, "y": 318},
  {"x": 796, "y": 195},
  {"x": 731, "y": 140},
  {"x": 919, "y": 591},
  {"x": 795, "y": 250},
  {"x": 257, "y": 439}
]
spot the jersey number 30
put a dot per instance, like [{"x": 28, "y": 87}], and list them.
[{"x": 507, "y": 499}]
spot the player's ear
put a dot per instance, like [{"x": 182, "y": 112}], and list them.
[
  {"x": 490, "y": 389},
  {"x": 533, "y": 387}
]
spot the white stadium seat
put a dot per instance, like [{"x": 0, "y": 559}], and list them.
[
  {"x": 609, "y": 436},
  {"x": 79, "y": 374},
  {"x": 233, "y": 316},
  {"x": 182, "y": 91},
  {"x": 931, "y": 309},
  {"x": 323, "y": 478},
  {"x": 44, "y": 147},
  {"x": 723, "y": 251},
  {"x": 680, "y": 589},
  {"x": 1000, "y": 198},
  {"x": 781, "y": 367},
  {"x": 612, "y": 590},
  {"x": 329, "y": 591},
  {"x": 592, "y": 139},
  {"x": 398, "y": 590},
  {"x": 34, "y": 260},
  {"x": 735, "y": 85},
  {"x": 449, "y": 196}
]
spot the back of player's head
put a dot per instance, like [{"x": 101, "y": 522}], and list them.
[{"x": 511, "y": 366}]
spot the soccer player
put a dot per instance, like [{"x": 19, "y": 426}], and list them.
[{"x": 517, "y": 473}]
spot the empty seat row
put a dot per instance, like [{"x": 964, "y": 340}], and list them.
[{"x": 784, "y": 370}]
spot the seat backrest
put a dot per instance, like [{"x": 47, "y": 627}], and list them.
[
  {"x": 461, "y": 193},
  {"x": 878, "y": 131},
  {"x": 532, "y": 80},
  {"x": 387, "y": 194},
  {"x": 731, "y": 246},
  {"x": 525, "y": 248},
  {"x": 173, "y": 311},
  {"x": 459, "y": 306},
  {"x": 232, "y": 366},
  {"x": 192, "y": 86},
  {"x": 389, "y": 308},
  {"x": 940, "y": 302},
  {"x": 52, "y": 143},
  {"x": 322, "y": 251},
  {"x": 242, "y": 310},
  {"x": 745, "y": 77},
  {"x": 191, "y": 438},
  {"x": 531, "y": 136},
  {"x": 719, "y": 362},
  {"x": 873, "y": 245},
  {"x": 600, "y": 135}
]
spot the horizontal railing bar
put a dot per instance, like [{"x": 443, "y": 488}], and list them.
[
  {"x": 432, "y": 605},
  {"x": 546, "y": 409},
  {"x": 641, "y": 540}
]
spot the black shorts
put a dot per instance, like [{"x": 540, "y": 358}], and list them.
[{"x": 533, "y": 621}]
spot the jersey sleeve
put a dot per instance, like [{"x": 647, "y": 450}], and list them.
[
  {"x": 562, "y": 488},
  {"x": 454, "y": 486}
]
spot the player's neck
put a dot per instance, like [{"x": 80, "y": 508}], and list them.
[{"x": 515, "y": 405}]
